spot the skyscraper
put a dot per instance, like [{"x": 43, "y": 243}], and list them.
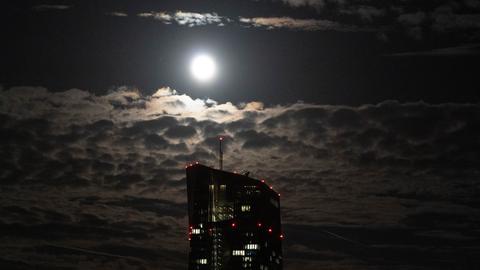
[{"x": 234, "y": 221}]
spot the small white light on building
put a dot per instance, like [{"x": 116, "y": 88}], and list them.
[
  {"x": 251, "y": 246},
  {"x": 238, "y": 252},
  {"x": 202, "y": 261},
  {"x": 245, "y": 208}
]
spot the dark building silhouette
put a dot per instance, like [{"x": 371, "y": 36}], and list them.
[{"x": 234, "y": 221}]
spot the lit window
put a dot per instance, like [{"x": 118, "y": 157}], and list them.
[
  {"x": 247, "y": 265},
  {"x": 247, "y": 259},
  {"x": 201, "y": 261},
  {"x": 238, "y": 252},
  {"x": 195, "y": 231},
  {"x": 245, "y": 208},
  {"x": 251, "y": 246}
]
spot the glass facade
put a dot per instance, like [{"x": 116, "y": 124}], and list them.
[{"x": 234, "y": 221}]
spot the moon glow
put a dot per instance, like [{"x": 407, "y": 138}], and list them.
[{"x": 203, "y": 68}]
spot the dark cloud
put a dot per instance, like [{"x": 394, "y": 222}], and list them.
[
  {"x": 366, "y": 13},
  {"x": 255, "y": 140},
  {"x": 161, "y": 207},
  {"x": 151, "y": 126},
  {"x": 314, "y": 3},
  {"x": 46, "y": 7},
  {"x": 428, "y": 20},
  {"x": 464, "y": 50},
  {"x": 179, "y": 132},
  {"x": 87, "y": 181},
  {"x": 155, "y": 141},
  {"x": 412, "y": 18}
]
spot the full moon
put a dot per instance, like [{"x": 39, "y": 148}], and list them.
[{"x": 203, "y": 67}]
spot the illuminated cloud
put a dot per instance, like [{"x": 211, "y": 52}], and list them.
[
  {"x": 185, "y": 18},
  {"x": 117, "y": 14},
  {"x": 111, "y": 171},
  {"x": 160, "y": 16},
  {"x": 192, "y": 19},
  {"x": 295, "y": 24}
]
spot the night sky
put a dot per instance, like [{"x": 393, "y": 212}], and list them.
[{"x": 363, "y": 114}]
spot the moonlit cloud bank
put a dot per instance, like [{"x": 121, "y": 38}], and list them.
[
  {"x": 100, "y": 179},
  {"x": 453, "y": 19},
  {"x": 192, "y": 19},
  {"x": 296, "y": 24},
  {"x": 186, "y": 18}
]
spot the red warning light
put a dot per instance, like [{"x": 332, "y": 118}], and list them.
[
  {"x": 221, "y": 138},
  {"x": 191, "y": 227},
  {"x": 270, "y": 230},
  {"x": 281, "y": 236},
  {"x": 234, "y": 225},
  {"x": 271, "y": 187},
  {"x": 259, "y": 224},
  {"x": 278, "y": 194},
  {"x": 263, "y": 181},
  {"x": 196, "y": 162}
]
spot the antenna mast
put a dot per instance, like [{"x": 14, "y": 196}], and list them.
[{"x": 220, "y": 158}]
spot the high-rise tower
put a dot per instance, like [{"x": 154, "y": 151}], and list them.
[{"x": 234, "y": 221}]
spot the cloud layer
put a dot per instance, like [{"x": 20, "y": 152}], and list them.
[
  {"x": 296, "y": 24},
  {"x": 99, "y": 180},
  {"x": 192, "y": 19},
  {"x": 186, "y": 18},
  {"x": 407, "y": 17},
  {"x": 430, "y": 21}
]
